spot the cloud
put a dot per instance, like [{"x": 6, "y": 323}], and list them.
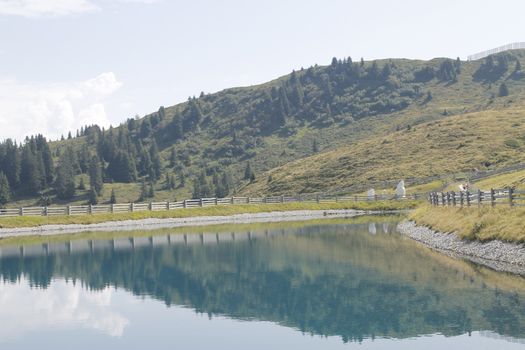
[
  {"x": 60, "y": 306},
  {"x": 57, "y": 8},
  {"x": 45, "y": 8},
  {"x": 54, "y": 109}
]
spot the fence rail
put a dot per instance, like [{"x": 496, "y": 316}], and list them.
[
  {"x": 493, "y": 197},
  {"x": 192, "y": 203}
]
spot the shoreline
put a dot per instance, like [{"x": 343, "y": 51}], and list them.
[
  {"x": 497, "y": 255},
  {"x": 158, "y": 223}
]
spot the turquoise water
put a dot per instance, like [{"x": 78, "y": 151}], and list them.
[{"x": 319, "y": 285}]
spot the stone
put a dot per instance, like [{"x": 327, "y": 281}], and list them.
[{"x": 400, "y": 189}]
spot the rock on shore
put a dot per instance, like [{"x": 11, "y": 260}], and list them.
[{"x": 498, "y": 255}]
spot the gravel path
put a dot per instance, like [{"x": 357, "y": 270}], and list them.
[
  {"x": 154, "y": 223},
  {"x": 498, "y": 255}
]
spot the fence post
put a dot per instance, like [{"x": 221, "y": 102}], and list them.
[
  {"x": 232, "y": 200},
  {"x": 132, "y": 207},
  {"x": 461, "y": 198},
  {"x": 492, "y": 197},
  {"x": 90, "y": 209},
  {"x": 216, "y": 202},
  {"x": 184, "y": 204},
  {"x": 45, "y": 210},
  {"x": 468, "y": 199},
  {"x": 442, "y": 199},
  {"x": 21, "y": 211},
  {"x": 480, "y": 197},
  {"x": 453, "y": 198},
  {"x": 112, "y": 208},
  {"x": 511, "y": 196},
  {"x": 200, "y": 202},
  {"x": 150, "y": 206},
  {"x": 248, "y": 200},
  {"x": 282, "y": 198}
]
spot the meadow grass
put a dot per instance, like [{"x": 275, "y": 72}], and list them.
[
  {"x": 483, "y": 223},
  {"x": 33, "y": 221}
]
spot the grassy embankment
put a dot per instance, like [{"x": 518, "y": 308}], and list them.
[
  {"x": 33, "y": 221},
  {"x": 483, "y": 224}
]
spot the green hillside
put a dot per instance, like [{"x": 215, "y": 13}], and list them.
[
  {"x": 455, "y": 144},
  {"x": 202, "y": 147}
]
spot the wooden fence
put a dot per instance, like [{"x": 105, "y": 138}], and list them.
[
  {"x": 191, "y": 203},
  {"x": 494, "y": 197}
]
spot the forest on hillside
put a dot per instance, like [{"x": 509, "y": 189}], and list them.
[{"x": 211, "y": 145}]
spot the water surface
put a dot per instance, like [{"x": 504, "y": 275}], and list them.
[{"x": 335, "y": 284}]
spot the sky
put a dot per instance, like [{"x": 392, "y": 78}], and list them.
[{"x": 68, "y": 63}]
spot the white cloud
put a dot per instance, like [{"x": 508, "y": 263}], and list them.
[
  {"x": 56, "y": 8},
  {"x": 45, "y": 8},
  {"x": 62, "y": 305},
  {"x": 54, "y": 109}
]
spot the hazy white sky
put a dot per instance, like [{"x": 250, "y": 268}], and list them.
[{"x": 65, "y": 63}]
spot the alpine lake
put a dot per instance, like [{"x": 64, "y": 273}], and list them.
[{"x": 321, "y": 284}]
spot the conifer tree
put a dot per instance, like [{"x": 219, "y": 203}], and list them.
[
  {"x": 93, "y": 197},
  {"x": 96, "y": 180},
  {"x": 503, "y": 90},
  {"x": 248, "y": 171},
  {"x": 82, "y": 185},
  {"x": 143, "y": 192},
  {"x": 145, "y": 128},
  {"x": 155, "y": 161},
  {"x": 315, "y": 146},
  {"x": 65, "y": 181},
  {"x": 5, "y": 190},
  {"x": 151, "y": 190},
  {"x": 113, "y": 198},
  {"x": 12, "y": 163},
  {"x": 30, "y": 175},
  {"x": 173, "y": 157}
]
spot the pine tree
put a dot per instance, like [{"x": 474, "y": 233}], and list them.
[
  {"x": 5, "y": 190},
  {"x": 12, "y": 163},
  {"x": 122, "y": 168},
  {"x": 96, "y": 181},
  {"x": 65, "y": 181},
  {"x": 503, "y": 90},
  {"x": 145, "y": 128},
  {"x": 223, "y": 187},
  {"x": 182, "y": 180},
  {"x": 518, "y": 67},
  {"x": 315, "y": 146},
  {"x": 93, "y": 197},
  {"x": 173, "y": 158},
  {"x": 248, "y": 171},
  {"x": 82, "y": 185},
  {"x": 143, "y": 192},
  {"x": 177, "y": 127},
  {"x": 113, "y": 198},
  {"x": 69, "y": 136},
  {"x": 30, "y": 175},
  {"x": 156, "y": 162},
  {"x": 151, "y": 190},
  {"x": 162, "y": 113}
]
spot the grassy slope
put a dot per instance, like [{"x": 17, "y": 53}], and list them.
[
  {"x": 457, "y": 143},
  {"x": 485, "y": 223},
  {"x": 33, "y": 221}
]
